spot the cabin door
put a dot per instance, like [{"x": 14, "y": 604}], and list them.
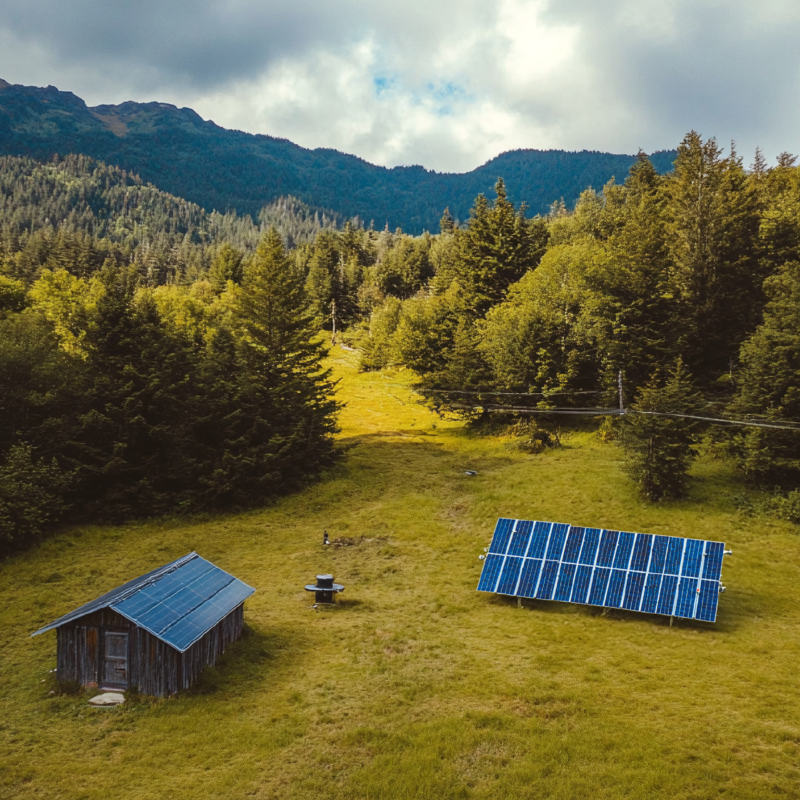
[{"x": 115, "y": 660}]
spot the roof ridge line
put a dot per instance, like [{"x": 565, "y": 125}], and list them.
[{"x": 177, "y": 564}]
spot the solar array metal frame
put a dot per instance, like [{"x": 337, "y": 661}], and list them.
[{"x": 614, "y": 569}]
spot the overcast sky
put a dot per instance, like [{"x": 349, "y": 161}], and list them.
[{"x": 440, "y": 83}]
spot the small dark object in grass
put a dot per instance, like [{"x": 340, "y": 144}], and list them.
[{"x": 470, "y": 472}]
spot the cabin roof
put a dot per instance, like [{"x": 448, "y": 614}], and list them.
[{"x": 177, "y": 603}]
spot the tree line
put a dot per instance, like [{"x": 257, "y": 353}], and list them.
[
  {"x": 684, "y": 284},
  {"x": 126, "y": 390},
  {"x": 119, "y": 399}
]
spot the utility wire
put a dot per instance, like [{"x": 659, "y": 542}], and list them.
[
  {"x": 508, "y": 394},
  {"x": 621, "y": 412},
  {"x": 594, "y": 412},
  {"x": 718, "y": 420}
]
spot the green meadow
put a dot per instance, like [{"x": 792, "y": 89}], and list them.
[{"x": 416, "y": 686}]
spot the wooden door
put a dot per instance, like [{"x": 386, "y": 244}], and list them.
[{"x": 115, "y": 660}]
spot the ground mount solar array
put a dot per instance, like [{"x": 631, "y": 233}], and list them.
[{"x": 641, "y": 572}]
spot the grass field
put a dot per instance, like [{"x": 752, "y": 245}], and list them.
[{"x": 415, "y": 686}]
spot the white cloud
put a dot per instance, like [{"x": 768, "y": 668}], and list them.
[{"x": 447, "y": 84}]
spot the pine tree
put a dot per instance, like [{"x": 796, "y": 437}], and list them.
[
  {"x": 627, "y": 307},
  {"x": 715, "y": 280},
  {"x": 769, "y": 384},
  {"x": 227, "y": 266},
  {"x": 280, "y": 428},
  {"x": 497, "y": 249},
  {"x": 659, "y": 450}
]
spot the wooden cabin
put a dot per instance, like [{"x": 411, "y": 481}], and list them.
[{"x": 154, "y": 633}]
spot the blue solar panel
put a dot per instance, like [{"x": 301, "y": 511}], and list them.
[
  {"x": 574, "y": 542},
  {"x": 558, "y": 535},
  {"x": 580, "y": 588},
  {"x": 547, "y": 581},
  {"x": 181, "y": 605},
  {"x": 608, "y": 544},
  {"x": 599, "y": 586},
  {"x": 564, "y": 586},
  {"x": 591, "y": 541},
  {"x": 541, "y": 533},
  {"x": 502, "y": 533},
  {"x": 193, "y": 626},
  {"x": 634, "y": 571},
  {"x": 623, "y": 555},
  {"x": 641, "y": 552},
  {"x": 510, "y": 576},
  {"x": 184, "y": 599},
  {"x": 491, "y": 570},
  {"x": 530, "y": 577},
  {"x": 713, "y": 566}
]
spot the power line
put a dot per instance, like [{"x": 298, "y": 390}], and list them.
[
  {"x": 718, "y": 420},
  {"x": 507, "y": 394},
  {"x": 593, "y": 412},
  {"x": 616, "y": 412}
]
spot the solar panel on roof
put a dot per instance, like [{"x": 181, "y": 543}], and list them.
[{"x": 652, "y": 574}]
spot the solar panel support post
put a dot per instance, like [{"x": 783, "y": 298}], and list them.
[
  {"x": 671, "y": 620},
  {"x": 519, "y": 602}
]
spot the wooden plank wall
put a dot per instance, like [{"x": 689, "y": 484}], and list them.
[
  {"x": 79, "y": 646},
  {"x": 207, "y": 650},
  {"x": 154, "y": 667}
]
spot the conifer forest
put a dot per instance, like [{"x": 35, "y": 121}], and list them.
[{"x": 156, "y": 358}]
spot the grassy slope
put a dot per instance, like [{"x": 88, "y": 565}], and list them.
[{"x": 416, "y": 686}]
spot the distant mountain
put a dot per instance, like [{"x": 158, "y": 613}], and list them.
[{"x": 178, "y": 151}]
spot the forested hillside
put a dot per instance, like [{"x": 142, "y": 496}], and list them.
[
  {"x": 223, "y": 170},
  {"x": 684, "y": 288},
  {"x": 75, "y": 212},
  {"x": 127, "y": 390}
]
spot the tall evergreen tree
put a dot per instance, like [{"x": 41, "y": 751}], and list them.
[
  {"x": 227, "y": 266},
  {"x": 659, "y": 450},
  {"x": 133, "y": 446},
  {"x": 281, "y": 430},
  {"x": 498, "y": 248},
  {"x": 626, "y": 308},
  {"x": 713, "y": 227},
  {"x": 769, "y": 384}
]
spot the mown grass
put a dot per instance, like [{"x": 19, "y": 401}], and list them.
[{"x": 415, "y": 686}]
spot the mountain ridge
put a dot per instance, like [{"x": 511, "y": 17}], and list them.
[{"x": 219, "y": 168}]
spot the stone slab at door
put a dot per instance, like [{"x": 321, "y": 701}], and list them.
[{"x": 115, "y": 660}]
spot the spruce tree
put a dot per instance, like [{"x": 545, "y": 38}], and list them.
[
  {"x": 768, "y": 385},
  {"x": 133, "y": 446},
  {"x": 498, "y": 248},
  {"x": 659, "y": 450},
  {"x": 227, "y": 266},
  {"x": 715, "y": 280},
  {"x": 627, "y": 307},
  {"x": 280, "y": 428}
]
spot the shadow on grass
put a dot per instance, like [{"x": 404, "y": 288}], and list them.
[
  {"x": 246, "y": 663},
  {"x": 725, "y": 622}
]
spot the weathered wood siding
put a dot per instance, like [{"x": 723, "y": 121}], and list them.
[
  {"x": 79, "y": 646},
  {"x": 207, "y": 650},
  {"x": 154, "y": 667}
]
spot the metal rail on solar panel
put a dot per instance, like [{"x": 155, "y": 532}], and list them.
[{"x": 653, "y": 574}]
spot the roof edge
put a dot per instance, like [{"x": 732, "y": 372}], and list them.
[{"x": 146, "y": 580}]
